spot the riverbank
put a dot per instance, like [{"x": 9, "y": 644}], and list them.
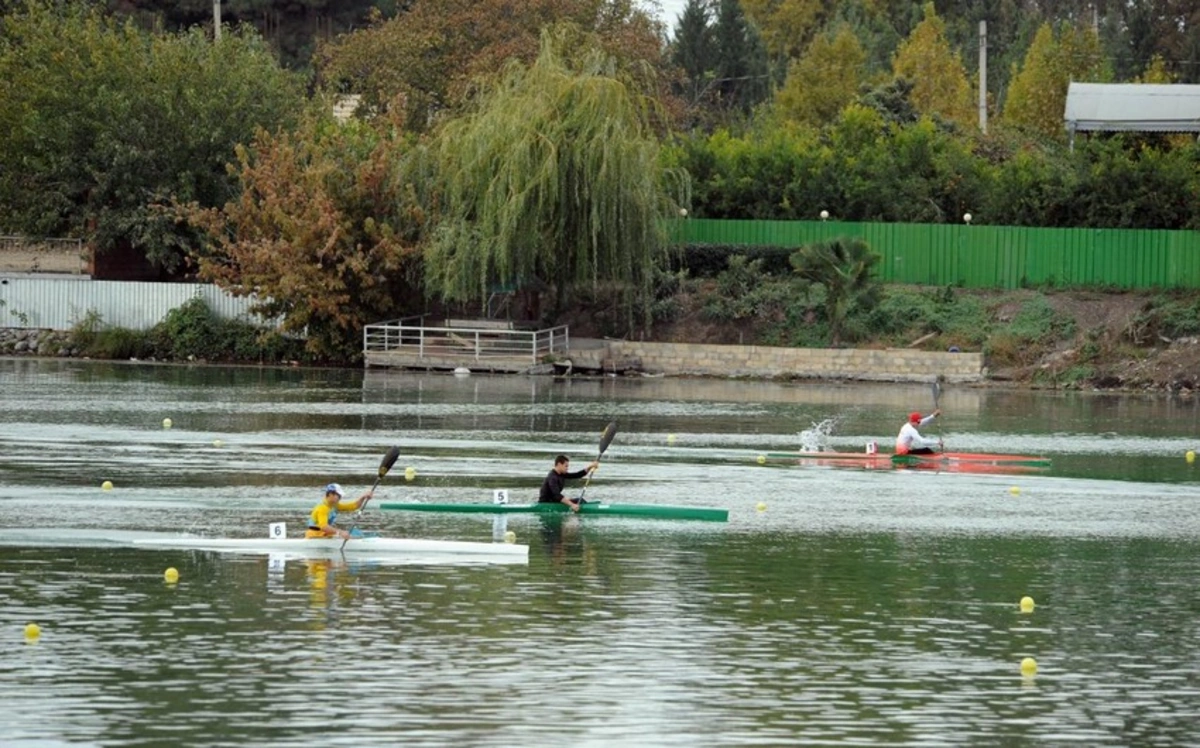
[
  {"x": 1077, "y": 339},
  {"x": 1129, "y": 341}
]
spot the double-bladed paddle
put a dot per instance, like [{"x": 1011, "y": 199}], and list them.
[
  {"x": 385, "y": 465},
  {"x": 605, "y": 439}
]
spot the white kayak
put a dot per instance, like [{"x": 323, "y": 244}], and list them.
[{"x": 334, "y": 547}]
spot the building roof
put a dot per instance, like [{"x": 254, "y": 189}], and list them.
[{"x": 1137, "y": 107}]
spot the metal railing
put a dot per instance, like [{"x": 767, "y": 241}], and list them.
[{"x": 476, "y": 339}]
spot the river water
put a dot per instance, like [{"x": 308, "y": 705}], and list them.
[{"x": 839, "y": 605}]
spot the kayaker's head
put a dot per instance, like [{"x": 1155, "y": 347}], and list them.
[
  {"x": 914, "y": 418},
  {"x": 561, "y": 463},
  {"x": 334, "y": 493}
]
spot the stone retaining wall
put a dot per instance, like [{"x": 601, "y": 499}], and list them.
[
  {"x": 17, "y": 341},
  {"x": 892, "y": 365}
]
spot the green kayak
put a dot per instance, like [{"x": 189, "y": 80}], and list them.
[{"x": 647, "y": 511}]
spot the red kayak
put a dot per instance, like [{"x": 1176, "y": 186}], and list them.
[{"x": 940, "y": 460}]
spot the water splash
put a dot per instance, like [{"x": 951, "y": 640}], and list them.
[{"x": 816, "y": 439}]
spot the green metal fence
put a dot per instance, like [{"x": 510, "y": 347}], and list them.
[{"x": 985, "y": 256}]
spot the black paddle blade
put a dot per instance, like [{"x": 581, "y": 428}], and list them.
[
  {"x": 389, "y": 459},
  {"x": 606, "y": 438}
]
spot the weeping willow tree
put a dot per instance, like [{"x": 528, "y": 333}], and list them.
[{"x": 554, "y": 177}]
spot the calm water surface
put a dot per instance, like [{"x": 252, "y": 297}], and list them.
[{"x": 839, "y": 605}]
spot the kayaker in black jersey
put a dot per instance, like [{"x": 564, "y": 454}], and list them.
[{"x": 552, "y": 487}]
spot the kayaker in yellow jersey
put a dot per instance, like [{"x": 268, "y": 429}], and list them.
[
  {"x": 910, "y": 441},
  {"x": 324, "y": 515}
]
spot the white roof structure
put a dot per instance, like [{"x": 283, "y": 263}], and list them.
[{"x": 1132, "y": 107}]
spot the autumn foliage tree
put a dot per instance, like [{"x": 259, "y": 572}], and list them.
[
  {"x": 824, "y": 80},
  {"x": 787, "y": 26},
  {"x": 1038, "y": 95},
  {"x": 939, "y": 80},
  {"x": 323, "y": 233}
]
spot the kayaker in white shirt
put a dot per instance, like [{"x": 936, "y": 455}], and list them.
[{"x": 910, "y": 441}]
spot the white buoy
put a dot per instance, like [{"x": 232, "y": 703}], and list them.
[{"x": 462, "y": 371}]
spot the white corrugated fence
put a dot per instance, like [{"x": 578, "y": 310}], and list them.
[{"x": 58, "y": 303}]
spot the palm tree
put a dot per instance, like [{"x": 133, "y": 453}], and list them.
[{"x": 845, "y": 267}]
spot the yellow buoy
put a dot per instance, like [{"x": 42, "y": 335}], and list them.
[
  {"x": 1028, "y": 666},
  {"x": 762, "y": 459},
  {"x": 670, "y": 438},
  {"x": 166, "y": 423},
  {"x": 510, "y": 537},
  {"x": 410, "y": 473},
  {"x": 761, "y": 506},
  {"x": 32, "y": 631},
  {"x": 1027, "y": 604},
  {"x": 171, "y": 575},
  {"x": 106, "y": 485},
  {"x": 1014, "y": 491},
  {"x": 1190, "y": 456},
  {"x": 218, "y": 443}
]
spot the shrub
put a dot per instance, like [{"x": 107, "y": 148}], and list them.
[
  {"x": 190, "y": 330},
  {"x": 710, "y": 260}
]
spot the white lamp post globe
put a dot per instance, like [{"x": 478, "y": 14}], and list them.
[
  {"x": 966, "y": 217},
  {"x": 824, "y": 215},
  {"x": 683, "y": 212}
]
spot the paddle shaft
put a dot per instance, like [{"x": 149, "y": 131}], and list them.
[
  {"x": 606, "y": 438},
  {"x": 385, "y": 465},
  {"x": 937, "y": 393}
]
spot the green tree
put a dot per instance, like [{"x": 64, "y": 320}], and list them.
[
  {"x": 846, "y": 269},
  {"x": 323, "y": 234},
  {"x": 892, "y": 100},
  {"x": 824, "y": 80},
  {"x": 100, "y": 123},
  {"x": 741, "y": 70},
  {"x": 939, "y": 81},
  {"x": 694, "y": 47},
  {"x": 555, "y": 177}
]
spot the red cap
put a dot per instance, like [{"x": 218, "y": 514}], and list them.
[{"x": 914, "y": 417}]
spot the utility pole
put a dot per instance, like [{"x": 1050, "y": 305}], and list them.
[
  {"x": 217, "y": 20},
  {"x": 983, "y": 77}
]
